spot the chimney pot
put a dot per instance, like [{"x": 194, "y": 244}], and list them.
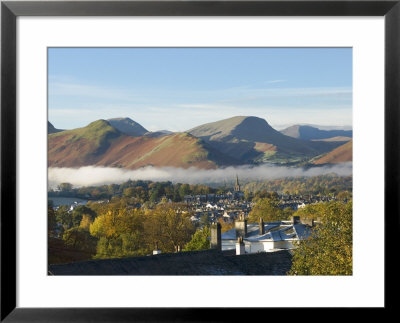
[
  {"x": 240, "y": 247},
  {"x": 241, "y": 227},
  {"x": 216, "y": 242}
]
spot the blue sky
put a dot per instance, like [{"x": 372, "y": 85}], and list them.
[{"x": 179, "y": 88}]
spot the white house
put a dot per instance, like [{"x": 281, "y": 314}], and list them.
[
  {"x": 301, "y": 206},
  {"x": 264, "y": 237}
]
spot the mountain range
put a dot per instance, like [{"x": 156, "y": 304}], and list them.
[
  {"x": 313, "y": 133},
  {"x": 124, "y": 143}
]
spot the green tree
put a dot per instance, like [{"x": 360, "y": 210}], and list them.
[
  {"x": 268, "y": 209},
  {"x": 204, "y": 220},
  {"x": 184, "y": 190},
  {"x": 79, "y": 212},
  {"x": 65, "y": 187},
  {"x": 156, "y": 191},
  {"x": 123, "y": 245},
  {"x": 80, "y": 239},
  {"x": 64, "y": 218},
  {"x": 328, "y": 251},
  {"x": 311, "y": 211},
  {"x": 200, "y": 240}
]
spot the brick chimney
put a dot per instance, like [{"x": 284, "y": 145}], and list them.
[
  {"x": 261, "y": 224},
  {"x": 240, "y": 248},
  {"x": 216, "y": 236},
  {"x": 241, "y": 227}
]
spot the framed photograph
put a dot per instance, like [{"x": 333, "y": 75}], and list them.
[{"x": 189, "y": 155}]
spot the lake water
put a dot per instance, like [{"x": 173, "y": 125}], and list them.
[{"x": 57, "y": 201}]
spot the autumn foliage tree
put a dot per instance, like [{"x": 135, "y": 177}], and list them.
[
  {"x": 119, "y": 232},
  {"x": 329, "y": 249},
  {"x": 169, "y": 226}
]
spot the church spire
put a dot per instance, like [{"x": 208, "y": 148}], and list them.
[{"x": 237, "y": 186}]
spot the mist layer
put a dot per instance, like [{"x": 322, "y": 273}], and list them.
[{"x": 94, "y": 176}]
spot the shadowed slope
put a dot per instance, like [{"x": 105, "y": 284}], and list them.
[
  {"x": 311, "y": 133},
  {"x": 51, "y": 128},
  {"x": 252, "y": 139},
  {"x": 127, "y": 126},
  {"x": 341, "y": 154}
]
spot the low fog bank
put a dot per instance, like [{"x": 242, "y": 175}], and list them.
[{"x": 94, "y": 176}]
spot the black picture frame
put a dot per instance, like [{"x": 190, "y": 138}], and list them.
[{"x": 10, "y": 10}]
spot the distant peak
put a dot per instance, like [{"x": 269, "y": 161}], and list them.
[
  {"x": 121, "y": 119},
  {"x": 128, "y": 126},
  {"x": 247, "y": 118}
]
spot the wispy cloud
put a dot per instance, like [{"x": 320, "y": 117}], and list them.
[
  {"x": 72, "y": 103},
  {"x": 85, "y": 90},
  {"x": 90, "y": 175},
  {"x": 276, "y": 81}
]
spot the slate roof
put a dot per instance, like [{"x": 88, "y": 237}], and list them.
[
  {"x": 204, "y": 262},
  {"x": 252, "y": 231},
  {"x": 301, "y": 231}
]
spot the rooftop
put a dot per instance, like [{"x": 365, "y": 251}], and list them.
[
  {"x": 273, "y": 231},
  {"x": 204, "y": 262}
]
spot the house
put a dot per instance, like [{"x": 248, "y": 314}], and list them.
[
  {"x": 301, "y": 206},
  {"x": 262, "y": 237}
]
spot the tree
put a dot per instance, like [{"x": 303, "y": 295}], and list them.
[
  {"x": 129, "y": 192},
  {"x": 204, "y": 220},
  {"x": 248, "y": 195},
  {"x": 226, "y": 226},
  {"x": 328, "y": 251},
  {"x": 200, "y": 240},
  {"x": 169, "y": 225},
  {"x": 344, "y": 196},
  {"x": 120, "y": 233},
  {"x": 310, "y": 211},
  {"x": 80, "y": 239},
  {"x": 65, "y": 187},
  {"x": 184, "y": 190},
  {"x": 268, "y": 209},
  {"x": 124, "y": 245},
  {"x": 79, "y": 212},
  {"x": 85, "y": 222},
  {"x": 156, "y": 192},
  {"x": 51, "y": 222},
  {"x": 64, "y": 218},
  {"x": 288, "y": 212}
]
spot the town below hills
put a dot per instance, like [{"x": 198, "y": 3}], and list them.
[{"x": 240, "y": 140}]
